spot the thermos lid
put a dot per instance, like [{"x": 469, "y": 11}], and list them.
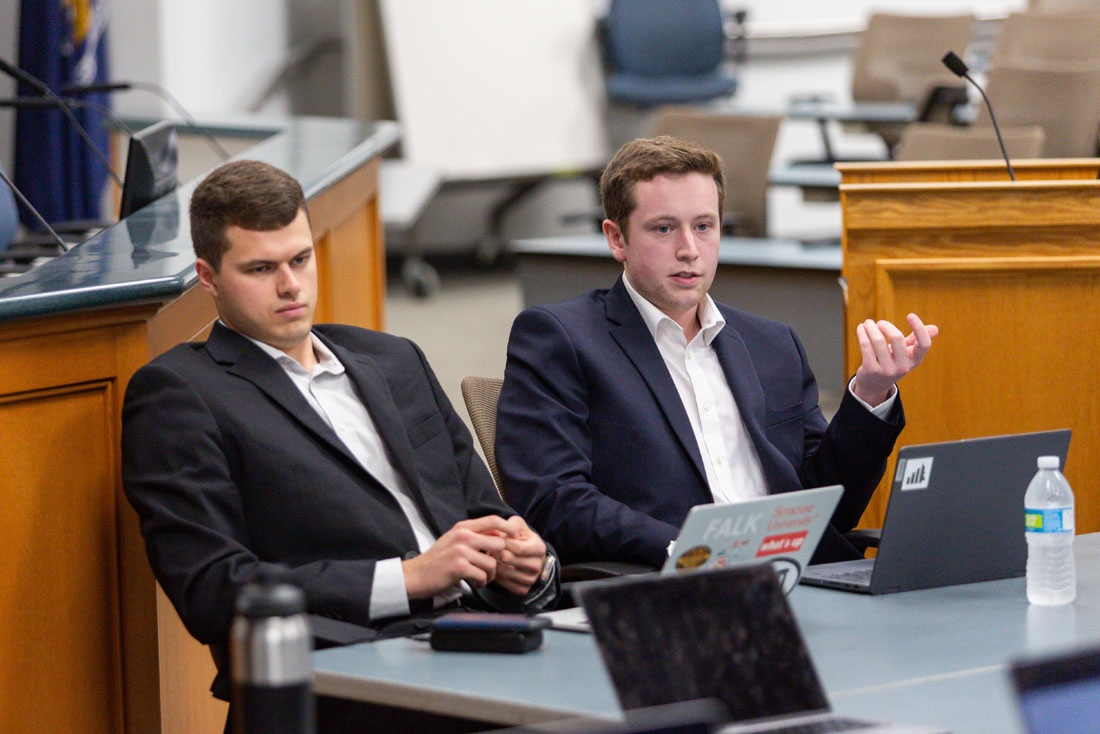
[{"x": 269, "y": 594}]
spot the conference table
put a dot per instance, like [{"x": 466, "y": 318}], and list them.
[{"x": 938, "y": 657}]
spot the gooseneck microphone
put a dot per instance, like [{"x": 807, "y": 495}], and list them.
[
  {"x": 958, "y": 68},
  {"x": 124, "y": 86},
  {"x": 30, "y": 207},
  {"x": 43, "y": 88},
  {"x": 76, "y": 104}
]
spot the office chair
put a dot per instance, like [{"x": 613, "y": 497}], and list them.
[
  {"x": 481, "y": 395},
  {"x": 745, "y": 144},
  {"x": 1063, "y": 99},
  {"x": 894, "y": 61},
  {"x": 934, "y": 142},
  {"x": 1026, "y": 38},
  {"x": 661, "y": 52}
]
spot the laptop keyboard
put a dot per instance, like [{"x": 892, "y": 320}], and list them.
[{"x": 826, "y": 725}]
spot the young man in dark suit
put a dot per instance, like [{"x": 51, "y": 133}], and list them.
[
  {"x": 623, "y": 408},
  {"x": 330, "y": 450}
]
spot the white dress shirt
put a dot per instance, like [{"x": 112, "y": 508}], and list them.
[
  {"x": 330, "y": 392},
  {"x": 732, "y": 466}
]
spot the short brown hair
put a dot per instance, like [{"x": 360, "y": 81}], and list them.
[
  {"x": 644, "y": 160},
  {"x": 247, "y": 194}
]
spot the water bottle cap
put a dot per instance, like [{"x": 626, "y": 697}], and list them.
[
  {"x": 269, "y": 595},
  {"x": 1049, "y": 462}
]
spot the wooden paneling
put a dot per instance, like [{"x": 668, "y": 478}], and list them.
[
  {"x": 88, "y": 642},
  {"x": 1011, "y": 275},
  {"x": 60, "y": 639},
  {"x": 1043, "y": 169}
]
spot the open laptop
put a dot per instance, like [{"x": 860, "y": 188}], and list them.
[
  {"x": 780, "y": 529},
  {"x": 686, "y": 717},
  {"x": 1059, "y": 695},
  {"x": 955, "y": 516},
  {"x": 726, "y": 634}
]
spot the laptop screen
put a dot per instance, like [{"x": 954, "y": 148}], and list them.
[
  {"x": 725, "y": 634},
  {"x": 1059, "y": 695}
]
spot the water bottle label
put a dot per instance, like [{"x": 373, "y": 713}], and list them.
[{"x": 1049, "y": 521}]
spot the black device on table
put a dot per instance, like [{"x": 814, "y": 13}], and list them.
[{"x": 486, "y": 632}]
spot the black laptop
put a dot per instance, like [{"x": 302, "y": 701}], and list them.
[
  {"x": 727, "y": 635},
  {"x": 955, "y": 516},
  {"x": 1059, "y": 695}
]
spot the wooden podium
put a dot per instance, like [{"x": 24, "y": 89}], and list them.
[{"x": 1010, "y": 272}]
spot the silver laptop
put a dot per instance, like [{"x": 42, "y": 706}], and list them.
[
  {"x": 781, "y": 529},
  {"x": 955, "y": 516},
  {"x": 1059, "y": 695},
  {"x": 726, "y": 634}
]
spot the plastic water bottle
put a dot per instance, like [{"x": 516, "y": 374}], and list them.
[
  {"x": 270, "y": 645},
  {"x": 1048, "y": 508}
]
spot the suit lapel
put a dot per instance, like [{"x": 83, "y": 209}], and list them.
[
  {"x": 629, "y": 330},
  {"x": 245, "y": 360},
  {"x": 748, "y": 393},
  {"x": 378, "y": 400}
]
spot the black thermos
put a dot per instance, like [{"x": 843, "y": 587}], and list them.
[{"x": 269, "y": 650}]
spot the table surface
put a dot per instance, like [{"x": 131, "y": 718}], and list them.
[
  {"x": 937, "y": 657},
  {"x": 755, "y": 251},
  {"x": 852, "y": 111}
]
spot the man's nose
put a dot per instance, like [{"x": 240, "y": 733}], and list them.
[
  {"x": 287, "y": 282},
  {"x": 686, "y": 246}
]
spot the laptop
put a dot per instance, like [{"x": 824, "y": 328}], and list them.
[
  {"x": 781, "y": 529},
  {"x": 725, "y": 634},
  {"x": 1059, "y": 695},
  {"x": 955, "y": 516}
]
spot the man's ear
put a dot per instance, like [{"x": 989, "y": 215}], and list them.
[
  {"x": 616, "y": 240},
  {"x": 207, "y": 275}
]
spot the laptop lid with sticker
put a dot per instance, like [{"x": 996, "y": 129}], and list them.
[
  {"x": 781, "y": 529},
  {"x": 956, "y": 511}
]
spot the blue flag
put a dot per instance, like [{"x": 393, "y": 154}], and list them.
[{"x": 61, "y": 42}]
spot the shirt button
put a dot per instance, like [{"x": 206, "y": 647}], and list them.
[
  {"x": 689, "y": 357},
  {"x": 718, "y": 461},
  {"x": 706, "y": 406}
]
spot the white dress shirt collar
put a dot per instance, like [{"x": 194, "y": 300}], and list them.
[{"x": 710, "y": 319}]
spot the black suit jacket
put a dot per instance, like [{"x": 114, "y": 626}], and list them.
[
  {"x": 229, "y": 468},
  {"x": 596, "y": 449}
]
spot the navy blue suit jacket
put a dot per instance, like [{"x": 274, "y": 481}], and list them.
[{"x": 596, "y": 450}]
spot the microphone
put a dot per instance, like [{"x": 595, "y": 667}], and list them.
[
  {"x": 958, "y": 68},
  {"x": 76, "y": 104},
  {"x": 78, "y": 89},
  {"x": 30, "y": 207},
  {"x": 31, "y": 81},
  {"x": 124, "y": 86}
]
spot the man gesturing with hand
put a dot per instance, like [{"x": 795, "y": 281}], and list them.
[{"x": 623, "y": 408}]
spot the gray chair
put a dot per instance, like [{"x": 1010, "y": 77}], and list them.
[
  {"x": 1030, "y": 38},
  {"x": 894, "y": 62},
  {"x": 1063, "y": 99},
  {"x": 481, "y": 395},
  {"x": 745, "y": 143},
  {"x": 933, "y": 142}
]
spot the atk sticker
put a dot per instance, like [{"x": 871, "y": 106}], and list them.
[
  {"x": 1049, "y": 521},
  {"x": 917, "y": 473},
  {"x": 785, "y": 543}
]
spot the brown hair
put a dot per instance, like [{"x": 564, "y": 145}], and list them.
[
  {"x": 644, "y": 160},
  {"x": 247, "y": 194}
]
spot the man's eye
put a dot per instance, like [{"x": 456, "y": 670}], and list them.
[
  {"x": 705, "y": 226},
  {"x": 260, "y": 269},
  {"x": 664, "y": 228}
]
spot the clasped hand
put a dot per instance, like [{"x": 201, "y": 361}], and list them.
[
  {"x": 888, "y": 356},
  {"x": 479, "y": 552}
]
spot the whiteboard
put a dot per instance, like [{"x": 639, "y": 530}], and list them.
[{"x": 497, "y": 88}]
